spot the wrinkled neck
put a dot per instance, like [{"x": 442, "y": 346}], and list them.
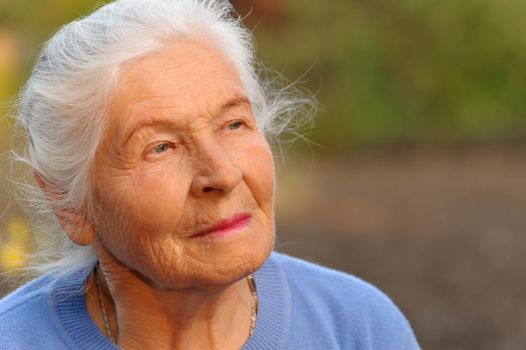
[{"x": 141, "y": 316}]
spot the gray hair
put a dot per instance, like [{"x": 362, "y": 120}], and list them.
[{"x": 62, "y": 106}]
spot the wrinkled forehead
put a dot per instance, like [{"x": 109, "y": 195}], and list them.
[
  {"x": 187, "y": 78},
  {"x": 182, "y": 64}
]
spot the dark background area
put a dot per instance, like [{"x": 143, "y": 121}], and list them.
[{"x": 440, "y": 231}]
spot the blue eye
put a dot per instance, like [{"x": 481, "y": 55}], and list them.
[
  {"x": 163, "y": 147},
  {"x": 236, "y": 124}
]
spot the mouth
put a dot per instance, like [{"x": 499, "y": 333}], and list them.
[{"x": 226, "y": 227}]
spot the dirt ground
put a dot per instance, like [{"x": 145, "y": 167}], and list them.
[{"x": 440, "y": 231}]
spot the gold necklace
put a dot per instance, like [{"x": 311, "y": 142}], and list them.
[
  {"x": 109, "y": 334},
  {"x": 254, "y": 311}
]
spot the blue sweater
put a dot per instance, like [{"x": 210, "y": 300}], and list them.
[{"x": 301, "y": 306}]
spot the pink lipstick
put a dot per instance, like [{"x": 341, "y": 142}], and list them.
[{"x": 226, "y": 227}]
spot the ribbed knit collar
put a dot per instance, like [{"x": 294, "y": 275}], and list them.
[
  {"x": 79, "y": 331},
  {"x": 73, "y": 320},
  {"x": 273, "y": 307}
]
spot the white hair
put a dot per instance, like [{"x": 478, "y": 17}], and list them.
[{"x": 62, "y": 106}]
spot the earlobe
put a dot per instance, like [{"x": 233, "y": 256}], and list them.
[
  {"x": 74, "y": 224},
  {"x": 77, "y": 228}
]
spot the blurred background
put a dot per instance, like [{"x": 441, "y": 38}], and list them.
[{"x": 414, "y": 177}]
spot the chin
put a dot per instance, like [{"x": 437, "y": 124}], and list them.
[
  {"x": 233, "y": 258},
  {"x": 214, "y": 265},
  {"x": 232, "y": 267}
]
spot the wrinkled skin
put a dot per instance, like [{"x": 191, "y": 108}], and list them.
[
  {"x": 181, "y": 151},
  {"x": 216, "y": 163}
]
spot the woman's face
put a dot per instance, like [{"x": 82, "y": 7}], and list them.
[{"x": 183, "y": 177}]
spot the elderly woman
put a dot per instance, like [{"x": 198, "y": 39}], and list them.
[{"x": 146, "y": 126}]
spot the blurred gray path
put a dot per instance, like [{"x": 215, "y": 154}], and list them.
[{"x": 441, "y": 231}]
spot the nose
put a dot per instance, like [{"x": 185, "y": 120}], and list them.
[{"x": 216, "y": 171}]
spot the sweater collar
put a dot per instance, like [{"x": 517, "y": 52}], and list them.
[
  {"x": 67, "y": 299},
  {"x": 74, "y": 322},
  {"x": 273, "y": 307}
]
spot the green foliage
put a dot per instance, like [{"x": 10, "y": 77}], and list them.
[
  {"x": 32, "y": 22},
  {"x": 407, "y": 70},
  {"x": 24, "y": 26}
]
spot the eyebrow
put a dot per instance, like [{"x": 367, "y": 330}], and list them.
[{"x": 233, "y": 102}]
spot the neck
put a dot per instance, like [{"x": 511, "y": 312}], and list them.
[{"x": 141, "y": 316}]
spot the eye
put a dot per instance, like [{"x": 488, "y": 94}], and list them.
[
  {"x": 236, "y": 124},
  {"x": 160, "y": 148},
  {"x": 159, "y": 151}
]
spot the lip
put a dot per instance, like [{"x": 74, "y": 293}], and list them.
[{"x": 226, "y": 227}]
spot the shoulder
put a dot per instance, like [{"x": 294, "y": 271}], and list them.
[
  {"x": 326, "y": 282},
  {"x": 28, "y": 294},
  {"x": 26, "y": 319},
  {"x": 345, "y": 304}
]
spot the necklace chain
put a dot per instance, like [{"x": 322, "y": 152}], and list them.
[
  {"x": 109, "y": 334},
  {"x": 254, "y": 311},
  {"x": 102, "y": 308}
]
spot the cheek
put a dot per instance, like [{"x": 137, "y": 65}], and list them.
[
  {"x": 160, "y": 191},
  {"x": 147, "y": 200},
  {"x": 259, "y": 171}
]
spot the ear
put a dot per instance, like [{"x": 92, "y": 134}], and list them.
[{"x": 75, "y": 224}]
